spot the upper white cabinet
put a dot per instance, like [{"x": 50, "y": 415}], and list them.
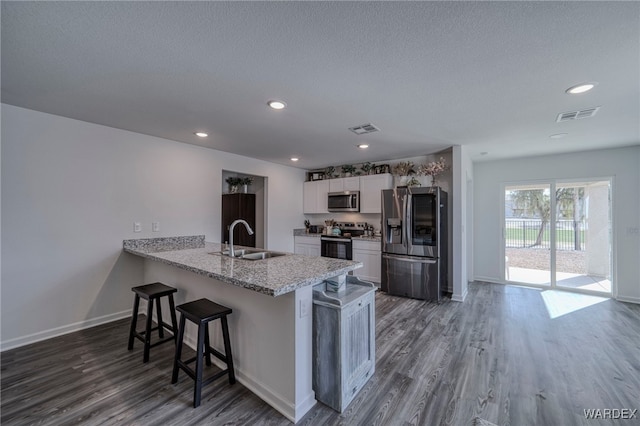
[
  {"x": 315, "y": 192},
  {"x": 344, "y": 184},
  {"x": 315, "y": 196},
  {"x": 370, "y": 196}
]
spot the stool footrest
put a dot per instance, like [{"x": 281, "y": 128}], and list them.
[
  {"x": 215, "y": 377},
  {"x": 184, "y": 367},
  {"x": 217, "y": 354},
  {"x": 166, "y": 339}
]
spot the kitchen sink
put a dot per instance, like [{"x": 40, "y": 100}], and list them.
[
  {"x": 261, "y": 255},
  {"x": 238, "y": 252},
  {"x": 250, "y": 254}
]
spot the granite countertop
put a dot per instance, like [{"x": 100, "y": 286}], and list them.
[
  {"x": 274, "y": 277},
  {"x": 303, "y": 233}
]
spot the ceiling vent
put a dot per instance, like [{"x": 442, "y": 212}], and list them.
[
  {"x": 577, "y": 115},
  {"x": 364, "y": 128}
]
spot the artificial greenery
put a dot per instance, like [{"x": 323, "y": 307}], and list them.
[
  {"x": 367, "y": 167},
  {"x": 237, "y": 181},
  {"x": 234, "y": 181},
  {"x": 348, "y": 168}
]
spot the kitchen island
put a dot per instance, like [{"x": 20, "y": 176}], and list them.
[{"x": 271, "y": 324}]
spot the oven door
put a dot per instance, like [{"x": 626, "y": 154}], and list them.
[{"x": 337, "y": 248}]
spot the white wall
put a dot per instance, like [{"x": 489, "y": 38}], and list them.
[
  {"x": 623, "y": 164},
  {"x": 71, "y": 191}
]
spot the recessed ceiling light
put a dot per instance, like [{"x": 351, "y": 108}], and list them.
[
  {"x": 201, "y": 134},
  {"x": 363, "y": 146},
  {"x": 276, "y": 104},
  {"x": 294, "y": 158},
  {"x": 580, "y": 88},
  {"x": 558, "y": 135}
]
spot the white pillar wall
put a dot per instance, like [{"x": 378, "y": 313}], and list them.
[{"x": 597, "y": 234}]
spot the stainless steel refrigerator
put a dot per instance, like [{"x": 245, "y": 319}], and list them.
[{"x": 414, "y": 242}]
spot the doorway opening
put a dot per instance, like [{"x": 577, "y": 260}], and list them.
[
  {"x": 557, "y": 234},
  {"x": 251, "y": 207}
]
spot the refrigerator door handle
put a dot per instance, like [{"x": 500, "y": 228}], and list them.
[
  {"x": 410, "y": 259},
  {"x": 406, "y": 221}
]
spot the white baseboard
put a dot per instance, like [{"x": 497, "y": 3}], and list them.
[
  {"x": 59, "y": 331},
  {"x": 628, "y": 299},
  {"x": 460, "y": 297},
  {"x": 283, "y": 406},
  {"x": 489, "y": 280}
]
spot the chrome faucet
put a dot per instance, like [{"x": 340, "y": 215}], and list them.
[{"x": 232, "y": 252}]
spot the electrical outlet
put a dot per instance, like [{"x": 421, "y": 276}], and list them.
[
  {"x": 137, "y": 227},
  {"x": 155, "y": 226}
]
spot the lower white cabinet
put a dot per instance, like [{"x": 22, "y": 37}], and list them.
[
  {"x": 369, "y": 253},
  {"x": 309, "y": 246},
  {"x": 343, "y": 342}
]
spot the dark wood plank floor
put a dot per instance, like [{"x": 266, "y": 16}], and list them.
[{"x": 498, "y": 356}]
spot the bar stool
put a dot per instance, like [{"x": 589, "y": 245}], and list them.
[
  {"x": 151, "y": 292},
  {"x": 201, "y": 312}
]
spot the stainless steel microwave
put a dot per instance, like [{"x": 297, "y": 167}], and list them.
[{"x": 345, "y": 201}]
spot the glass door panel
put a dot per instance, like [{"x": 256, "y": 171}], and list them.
[
  {"x": 423, "y": 220},
  {"x": 583, "y": 236},
  {"x": 526, "y": 234}
]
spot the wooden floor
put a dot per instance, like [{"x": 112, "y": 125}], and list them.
[{"x": 498, "y": 356}]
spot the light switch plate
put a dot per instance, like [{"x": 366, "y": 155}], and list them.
[
  {"x": 137, "y": 227},
  {"x": 155, "y": 226}
]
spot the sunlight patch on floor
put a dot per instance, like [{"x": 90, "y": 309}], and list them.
[
  {"x": 563, "y": 279},
  {"x": 559, "y": 303}
]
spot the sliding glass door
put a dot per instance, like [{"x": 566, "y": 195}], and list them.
[
  {"x": 526, "y": 230},
  {"x": 576, "y": 255},
  {"x": 583, "y": 243}
]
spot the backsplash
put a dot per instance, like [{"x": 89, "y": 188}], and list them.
[{"x": 371, "y": 218}]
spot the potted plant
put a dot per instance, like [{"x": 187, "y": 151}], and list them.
[
  {"x": 402, "y": 171},
  {"x": 329, "y": 172},
  {"x": 367, "y": 167},
  {"x": 348, "y": 169},
  {"x": 433, "y": 169},
  {"x": 403, "y": 168},
  {"x": 233, "y": 182},
  {"x": 413, "y": 182},
  {"x": 245, "y": 182}
]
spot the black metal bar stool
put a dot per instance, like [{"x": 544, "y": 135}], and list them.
[
  {"x": 151, "y": 292},
  {"x": 201, "y": 312}
]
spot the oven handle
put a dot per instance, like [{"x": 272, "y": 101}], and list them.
[{"x": 341, "y": 240}]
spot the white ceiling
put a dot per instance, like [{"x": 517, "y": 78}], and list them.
[{"x": 488, "y": 75}]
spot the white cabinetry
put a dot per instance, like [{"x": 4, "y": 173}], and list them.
[
  {"x": 369, "y": 253},
  {"x": 315, "y": 196},
  {"x": 315, "y": 192},
  {"x": 344, "y": 184},
  {"x": 370, "y": 187},
  {"x": 309, "y": 246}
]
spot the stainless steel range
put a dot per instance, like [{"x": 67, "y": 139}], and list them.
[{"x": 340, "y": 246}]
